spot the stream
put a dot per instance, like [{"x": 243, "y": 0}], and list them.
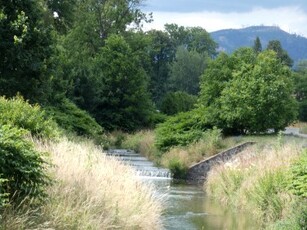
[{"x": 187, "y": 206}]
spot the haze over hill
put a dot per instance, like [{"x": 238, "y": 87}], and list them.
[{"x": 231, "y": 39}]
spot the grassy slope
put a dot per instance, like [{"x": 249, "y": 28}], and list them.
[
  {"x": 91, "y": 191},
  {"x": 256, "y": 180}
]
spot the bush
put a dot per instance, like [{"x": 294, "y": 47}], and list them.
[
  {"x": 177, "y": 160},
  {"x": 181, "y": 130},
  {"x": 19, "y": 113},
  {"x": 298, "y": 181},
  {"x": 22, "y": 168},
  {"x": 74, "y": 119},
  {"x": 175, "y": 102},
  {"x": 178, "y": 169}
]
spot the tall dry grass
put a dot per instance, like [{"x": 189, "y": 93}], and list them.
[
  {"x": 142, "y": 142},
  {"x": 92, "y": 191},
  {"x": 96, "y": 191},
  {"x": 180, "y": 158},
  {"x": 256, "y": 180}
]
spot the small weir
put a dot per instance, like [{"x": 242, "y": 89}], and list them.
[
  {"x": 186, "y": 206},
  {"x": 143, "y": 166}
]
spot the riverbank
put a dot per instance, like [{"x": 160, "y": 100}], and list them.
[
  {"x": 259, "y": 180},
  {"x": 90, "y": 191}
]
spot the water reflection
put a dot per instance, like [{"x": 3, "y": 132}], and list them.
[{"x": 187, "y": 207}]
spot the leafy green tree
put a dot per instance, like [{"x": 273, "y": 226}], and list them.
[
  {"x": 257, "y": 95},
  {"x": 63, "y": 14},
  {"x": 25, "y": 47},
  {"x": 193, "y": 38},
  {"x": 163, "y": 50},
  {"x": 186, "y": 70},
  {"x": 257, "y": 45},
  {"x": 215, "y": 78},
  {"x": 161, "y": 53},
  {"x": 94, "y": 22},
  {"x": 175, "y": 102},
  {"x": 282, "y": 55},
  {"x": 300, "y": 76},
  {"x": 124, "y": 101}
]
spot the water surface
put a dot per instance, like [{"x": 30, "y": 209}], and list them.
[{"x": 187, "y": 206}]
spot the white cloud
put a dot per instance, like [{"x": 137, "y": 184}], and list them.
[{"x": 290, "y": 19}]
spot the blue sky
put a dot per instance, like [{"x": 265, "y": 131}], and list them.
[{"x": 213, "y": 15}]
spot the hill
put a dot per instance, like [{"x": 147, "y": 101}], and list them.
[{"x": 231, "y": 39}]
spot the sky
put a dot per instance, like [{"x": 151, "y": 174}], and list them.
[{"x": 213, "y": 15}]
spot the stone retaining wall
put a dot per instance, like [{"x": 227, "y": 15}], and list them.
[{"x": 197, "y": 173}]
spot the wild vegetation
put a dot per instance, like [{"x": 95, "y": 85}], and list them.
[
  {"x": 87, "y": 69},
  {"x": 267, "y": 180},
  {"x": 66, "y": 184}
]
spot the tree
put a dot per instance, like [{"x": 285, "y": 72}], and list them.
[
  {"x": 63, "y": 14},
  {"x": 282, "y": 55},
  {"x": 161, "y": 53},
  {"x": 257, "y": 45},
  {"x": 215, "y": 78},
  {"x": 94, "y": 22},
  {"x": 257, "y": 95},
  {"x": 186, "y": 70},
  {"x": 163, "y": 48},
  {"x": 175, "y": 102},
  {"x": 26, "y": 48},
  {"x": 300, "y": 91},
  {"x": 124, "y": 102},
  {"x": 192, "y": 38}
]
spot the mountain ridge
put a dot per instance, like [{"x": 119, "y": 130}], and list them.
[{"x": 231, "y": 39}]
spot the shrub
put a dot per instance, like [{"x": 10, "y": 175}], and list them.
[
  {"x": 181, "y": 130},
  {"x": 298, "y": 181},
  {"x": 175, "y": 102},
  {"x": 178, "y": 169},
  {"x": 74, "y": 119},
  {"x": 19, "y": 113},
  {"x": 177, "y": 160},
  {"x": 22, "y": 167}
]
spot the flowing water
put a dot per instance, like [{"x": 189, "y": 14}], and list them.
[{"x": 187, "y": 206}]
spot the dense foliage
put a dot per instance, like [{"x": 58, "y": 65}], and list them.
[
  {"x": 22, "y": 167},
  {"x": 248, "y": 92},
  {"x": 181, "y": 129},
  {"x": 26, "y": 49},
  {"x": 300, "y": 91},
  {"x": 186, "y": 70},
  {"x": 17, "y": 112},
  {"x": 299, "y": 176},
  {"x": 72, "y": 119},
  {"x": 175, "y": 102}
]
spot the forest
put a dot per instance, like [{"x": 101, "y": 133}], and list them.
[{"x": 87, "y": 68}]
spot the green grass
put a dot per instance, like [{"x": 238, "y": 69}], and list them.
[{"x": 257, "y": 180}]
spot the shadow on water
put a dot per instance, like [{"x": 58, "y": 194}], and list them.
[{"x": 187, "y": 206}]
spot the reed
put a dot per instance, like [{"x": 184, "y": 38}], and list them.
[
  {"x": 256, "y": 180},
  {"x": 92, "y": 191}
]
